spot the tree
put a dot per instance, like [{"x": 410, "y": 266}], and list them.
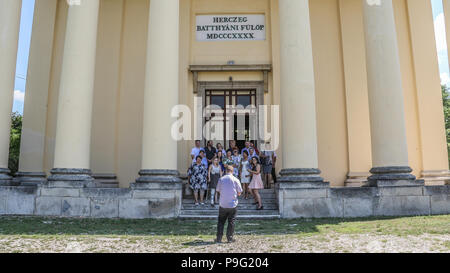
[
  {"x": 14, "y": 144},
  {"x": 446, "y": 101}
]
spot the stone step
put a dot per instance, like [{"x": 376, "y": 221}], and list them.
[
  {"x": 241, "y": 201},
  {"x": 240, "y": 206},
  {"x": 273, "y": 216},
  {"x": 215, "y": 212},
  {"x": 263, "y": 195}
]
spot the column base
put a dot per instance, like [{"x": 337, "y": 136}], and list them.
[
  {"x": 6, "y": 178},
  {"x": 395, "y": 176},
  {"x": 310, "y": 177},
  {"x": 105, "y": 180},
  {"x": 436, "y": 178},
  {"x": 73, "y": 178},
  {"x": 157, "y": 179},
  {"x": 356, "y": 179},
  {"x": 30, "y": 178}
]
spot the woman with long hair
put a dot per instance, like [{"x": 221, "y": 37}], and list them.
[
  {"x": 244, "y": 168},
  {"x": 256, "y": 184},
  {"x": 220, "y": 158},
  {"x": 214, "y": 174}
]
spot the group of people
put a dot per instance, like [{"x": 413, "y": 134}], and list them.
[{"x": 211, "y": 163}]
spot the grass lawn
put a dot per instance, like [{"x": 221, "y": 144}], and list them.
[{"x": 405, "y": 234}]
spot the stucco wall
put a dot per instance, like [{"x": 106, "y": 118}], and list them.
[{"x": 341, "y": 96}]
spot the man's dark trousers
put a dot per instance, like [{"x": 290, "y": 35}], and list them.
[{"x": 225, "y": 214}]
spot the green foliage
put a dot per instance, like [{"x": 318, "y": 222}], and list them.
[{"x": 14, "y": 144}]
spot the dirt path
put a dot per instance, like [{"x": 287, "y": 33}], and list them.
[{"x": 332, "y": 242}]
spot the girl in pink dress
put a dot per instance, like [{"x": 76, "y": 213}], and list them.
[{"x": 256, "y": 184}]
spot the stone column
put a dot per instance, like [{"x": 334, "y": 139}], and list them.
[
  {"x": 446, "y": 6},
  {"x": 73, "y": 131},
  {"x": 357, "y": 102},
  {"x": 298, "y": 102},
  {"x": 386, "y": 104},
  {"x": 159, "y": 149},
  {"x": 31, "y": 162},
  {"x": 9, "y": 37},
  {"x": 435, "y": 169}
]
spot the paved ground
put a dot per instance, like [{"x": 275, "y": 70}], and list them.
[{"x": 409, "y": 234}]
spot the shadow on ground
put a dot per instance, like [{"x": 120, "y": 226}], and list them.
[{"x": 199, "y": 243}]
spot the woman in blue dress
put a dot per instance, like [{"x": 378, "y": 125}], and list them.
[{"x": 198, "y": 179}]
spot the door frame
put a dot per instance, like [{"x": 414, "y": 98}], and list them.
[{"x": 231, "y": 86}]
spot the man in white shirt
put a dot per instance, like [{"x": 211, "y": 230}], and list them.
[
  {"x": 196, "y": 150},
  {"x": 229, "y": 188}
]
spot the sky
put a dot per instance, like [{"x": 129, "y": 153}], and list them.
[
  {"x": 27, "y": 22},
  {"x": 441, "y": 41}
]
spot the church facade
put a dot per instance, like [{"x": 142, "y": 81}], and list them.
[{"x": 347, "y": 92}]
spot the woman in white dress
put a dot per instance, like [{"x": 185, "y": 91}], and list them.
[{"x": 245, "y": 174}]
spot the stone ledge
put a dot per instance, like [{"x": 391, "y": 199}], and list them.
[
  {"x": 76, "y": 207},
  {"x": 402, "y": 205},
  {"x": 358, "y": 207},
  {"x": 345, "y": 192},
  {"x": 440, "y": 204},
  {"x": 134, "y": 209},
  {"x": 49, "y": 206},
  {"x": 60, "y": 192},
  {"x": 157, "y": 186},
  {"x": 302, "y": 185},
  {"x": 328, "y": 208},
  {"x": 401, "y": 191},
  {"x": 397, "y": 183},
  {"x": 436, "y": 190},
  {"x": 304, "y": 193},
  {"x": 20, "y": 202},
  {"x": 69, "y": 184},
  {"x": 104, "y": 207},
  {"x": 153, "y": 194},
  {"x": 157, "y": 202},
  {"x": 3, "y": 209},
  {"x": 106, "y": 193}
]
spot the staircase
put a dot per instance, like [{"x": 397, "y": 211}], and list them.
[{"x": 246, "y": 209}]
